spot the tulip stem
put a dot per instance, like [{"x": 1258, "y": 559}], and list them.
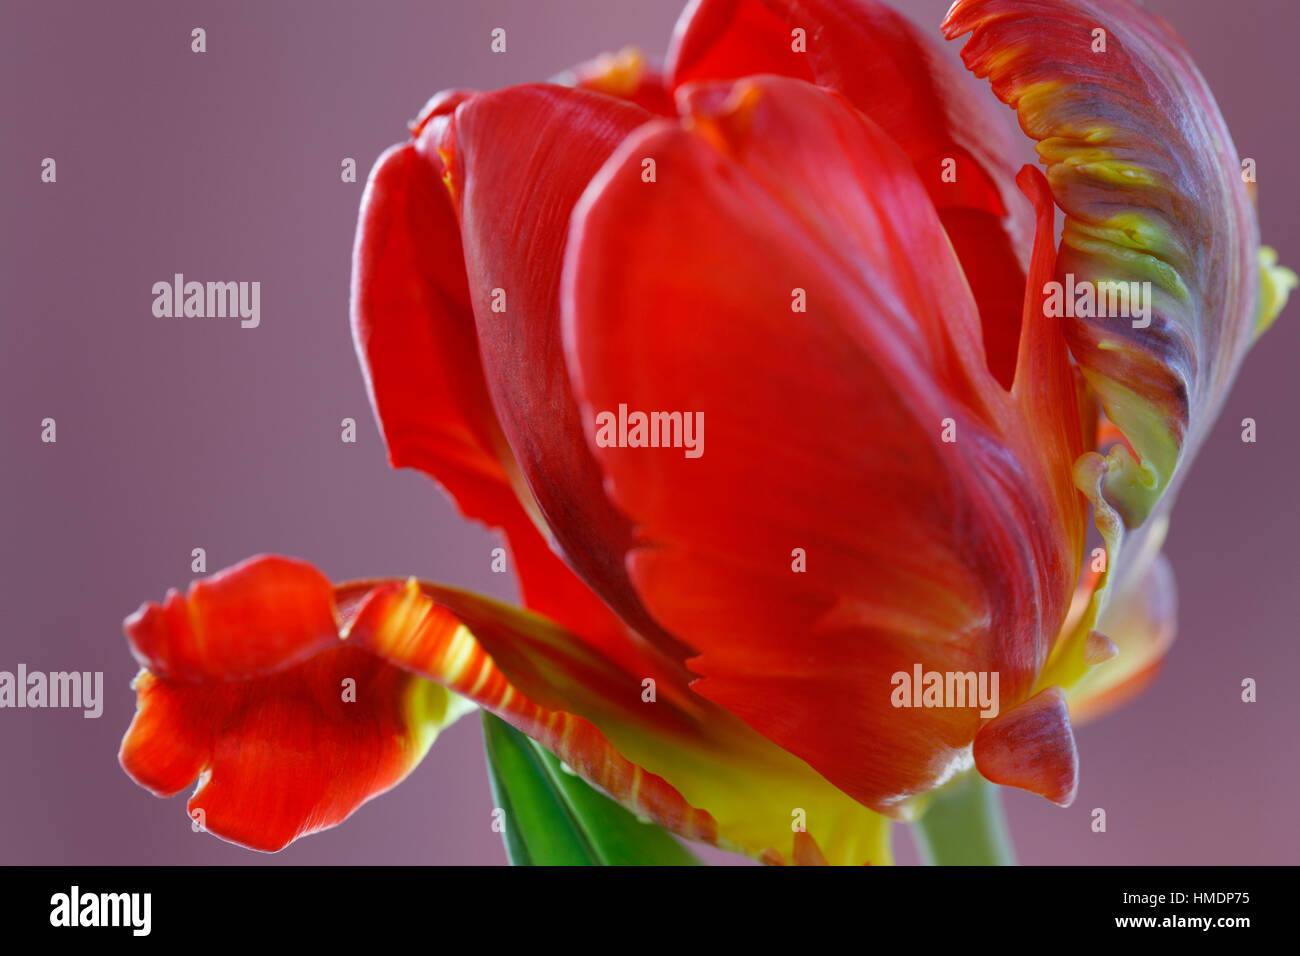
[{"x": 964, "y": 826}]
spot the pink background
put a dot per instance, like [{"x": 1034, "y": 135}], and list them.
[{"x": 175, "y": 434}]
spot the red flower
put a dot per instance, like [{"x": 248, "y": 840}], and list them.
[{"x": 808, "y": 234}]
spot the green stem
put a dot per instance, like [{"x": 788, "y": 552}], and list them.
[{"x": 964, "y": 826}]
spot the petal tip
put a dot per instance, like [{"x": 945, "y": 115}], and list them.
[{"x": 1032, "y": 747}]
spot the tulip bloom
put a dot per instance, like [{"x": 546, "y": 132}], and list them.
[{"x": 807, "y": 233}]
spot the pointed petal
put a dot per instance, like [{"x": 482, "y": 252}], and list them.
[
  {"x": 890, "y": 70},
  {"x": 284, "y": 752},
  {"x": 1141, "y": 162},
  {"x": 824, "y": 431},
  {"x": 1032, "y": 747}
]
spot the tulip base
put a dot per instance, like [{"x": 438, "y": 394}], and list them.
[{"x": 964, "y": 826}]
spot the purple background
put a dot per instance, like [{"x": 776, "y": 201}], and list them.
[{"x": 175, "y": 434}]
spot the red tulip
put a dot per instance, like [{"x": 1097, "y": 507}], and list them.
[{"x": 808, "y": 234}]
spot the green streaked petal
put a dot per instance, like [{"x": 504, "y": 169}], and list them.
[{"x": 1141, "y": 162}]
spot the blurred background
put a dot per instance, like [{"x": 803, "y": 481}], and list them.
[{"x": 178, "y": 434}]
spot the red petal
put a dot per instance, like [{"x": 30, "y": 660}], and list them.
[
  {"x": 247, "y": 693},
  {"x": 676, "y": 759},
  {"x": 824, "y": 431},
  {"x": 415, "y": 334},
  {"x": 259, "y": 616},
  {"x": 282, "y": 756},
  {"x": 895, "y": 74},
  {"x": 730, "y": 39},
  {"x": 520, "y": 159}
]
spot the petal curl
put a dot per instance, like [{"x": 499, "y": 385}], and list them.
[
  {"x": 1140, "y": 160},
  {"x": 282, "y": 754},
  {"x": 1032, "y": 747},
  {"x": 250, "y": 692}
]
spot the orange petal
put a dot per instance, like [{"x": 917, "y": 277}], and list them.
[
  {"x": 288, "y": 754},
  {"x": 259, "y": 616},
  {"x": 285, "y": 752}
]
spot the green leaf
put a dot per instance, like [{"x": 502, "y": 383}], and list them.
[{"x": 554, "y": 818}]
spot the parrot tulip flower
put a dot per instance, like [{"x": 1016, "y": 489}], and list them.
[{"x": 808, "y": 231}]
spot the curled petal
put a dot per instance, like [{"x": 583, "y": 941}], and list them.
[
  {"x": 285, "y": 752},
  {"x": 289, "y": 754},
  {"x": 1141, "y": 162},
  {"x": 255, "y": 618},
  {"x": 414, "y": 329},
  {"x": 250, "y": 691}
]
